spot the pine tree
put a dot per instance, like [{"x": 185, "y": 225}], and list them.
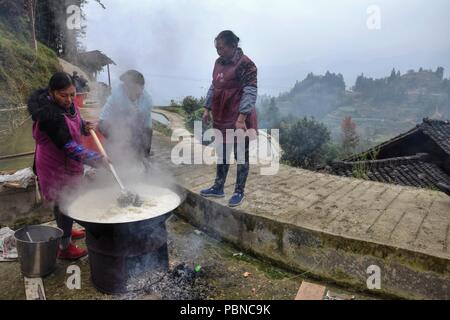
[
  {"x": 440, "y": 73},
  {"x": 393, "y": 74}
]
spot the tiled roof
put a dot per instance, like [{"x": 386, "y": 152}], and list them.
[
  {"x": 95, "y": 57},
  {"x": 416, "y": 171},
  {"x": 439, "y": 131}
]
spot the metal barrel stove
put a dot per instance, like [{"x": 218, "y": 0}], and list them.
[{"x": 119, "y": 254}]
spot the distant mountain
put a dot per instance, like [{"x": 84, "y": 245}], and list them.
[
  {"x": 315, "y": 96},
  {"x": 381, "y": 108}
]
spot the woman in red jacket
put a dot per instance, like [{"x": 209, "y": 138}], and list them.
[{"x": 232, "y": 101}]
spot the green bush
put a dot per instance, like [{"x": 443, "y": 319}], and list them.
[
  {"x": 197, "y": 116},
  {"x": 305, "y": 143},
  {"x": 191, "y": 109},
  {"x": 190, "y": 104}
]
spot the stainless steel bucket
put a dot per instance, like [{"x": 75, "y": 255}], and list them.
[{"x": 38, "y": 249}]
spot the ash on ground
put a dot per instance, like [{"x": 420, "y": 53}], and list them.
[{"x": 181, "y": 283}]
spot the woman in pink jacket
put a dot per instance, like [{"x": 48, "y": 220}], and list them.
[{"x": 59, "y": 158}]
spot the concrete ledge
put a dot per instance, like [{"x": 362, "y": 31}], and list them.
[
  {"x": 333, "y": 258},
  {"x": 16, "y": 203},
  {"x": 18, "y": 207}
]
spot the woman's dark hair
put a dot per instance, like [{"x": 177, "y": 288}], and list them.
[
  {"x": 133, "y": 77},
  {"x": 60, "y": 81},
  {"x": 229, "y": 38}
]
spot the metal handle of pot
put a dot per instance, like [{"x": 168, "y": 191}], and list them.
[{"x": 103, "y": 152}]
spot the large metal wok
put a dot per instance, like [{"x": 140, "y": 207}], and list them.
[{"x": 124, "y": 247}]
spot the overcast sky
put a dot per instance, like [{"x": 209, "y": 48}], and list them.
[{"x": 171, "y": 41}]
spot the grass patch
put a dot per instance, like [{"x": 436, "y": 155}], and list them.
[
  {"x": 272, "y": 272},
  {"x": 176, "y": 109},
  {"x": 361, "y": 168},
  {"x": 164, "y": 130},
  {"x": 21, "y": 71}
]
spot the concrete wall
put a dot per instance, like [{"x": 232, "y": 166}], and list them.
[
  {"x": 18, "y": 206},
  {"x": 332, "y": 258}
]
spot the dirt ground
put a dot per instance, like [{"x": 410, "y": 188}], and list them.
[{"x": 200, "y": 268}]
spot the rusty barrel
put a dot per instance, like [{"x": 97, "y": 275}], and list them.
[{"x": 119, "y": 254}]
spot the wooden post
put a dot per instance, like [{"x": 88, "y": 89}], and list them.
[
  {"x": 34, "y": 289},
  {"x": 109, "y": 76}
]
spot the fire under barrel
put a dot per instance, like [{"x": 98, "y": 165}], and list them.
[{"x": 119, "y": 254}]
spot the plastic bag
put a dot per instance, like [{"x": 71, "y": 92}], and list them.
[
  {"x": 24, "y": 177},
  {"x": 8, "y": 249}
]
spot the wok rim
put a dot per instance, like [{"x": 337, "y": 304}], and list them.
[
  {"x": 180, "y": 191},
  {"x": 84, "y": 222}
]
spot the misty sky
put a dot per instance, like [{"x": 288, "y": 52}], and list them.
[{"x": 172, "y": 41}]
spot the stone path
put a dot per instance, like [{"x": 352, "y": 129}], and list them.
[{"x": 401, "y": 217}]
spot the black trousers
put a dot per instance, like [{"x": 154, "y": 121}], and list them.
[
  {"x": 241, "y": 155},
  {"x": 64, "y": 223},
  {"x": 143, "y": 144}
]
